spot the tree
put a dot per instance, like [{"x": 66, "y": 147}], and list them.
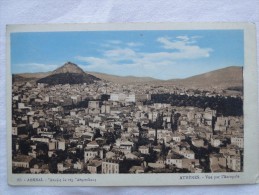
[
  {"x": 24, "y": 147},
  {"x": 43, "y": 147},
  {"x": 163, "y": 151},
  {"x": 97, "y": 133},
  {"x": 61, "y": 155},
  {"x": 53, "y": 168},
  {"x": 79, "y": 153},
  {"x": 110, "y": 138}
]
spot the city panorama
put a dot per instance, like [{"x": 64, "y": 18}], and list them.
[{"x": 127, "y": 102}]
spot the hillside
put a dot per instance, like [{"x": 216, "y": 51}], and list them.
[
  {"x": 122, "y": 79},
  {"x": 223, "y": 78}
]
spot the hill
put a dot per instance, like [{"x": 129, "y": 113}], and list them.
[
  {"x": 69, "y": 73},
  {"x": 122, "y": 79},
  {"x": 223, "y": 78}
]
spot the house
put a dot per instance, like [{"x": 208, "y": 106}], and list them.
[
  {"x": 230, "y": 150},
  {"x": 189, "y": 154},
  {"x": 93, "y": 104},
  {"x": 95, "y": 166},
  {"x": 190, "y": 163},
  {"x": 91, "y": 153},
  {"x": 73, "y": 112},
  {"x": 124, "y": 145},
  {"x": 53, "y": 145},
  {"x": 87, "y": 136},
  {"x": 105, "y": 109},
  {"x": 174, "y": 159},
  {"x": 78, "y": 165},
  {"x": 40, "y": 139},
  {"x": 33, "y": 154},
  {"x": 131, "y": 156},
  {"x": 39, "y": 168},
  {"x": 159, "y": 164},
  {"x": 23, "y": 161},
  {"x": 215, "y": 141},
  {"x": 62, "y": 145},
  {"x": 234, "y": 162},
  {"x": 93, "y": 144},
  {"x": 143, "y": 149},
  {"x": 63, "y": 166},
  {"x": 137, "y": 169},
  {"x": 107, "y": 147},
  {"x": 218, "y": 163},
  {"x": 109, "y": 154},
  {"x": 195, "y": 168}
]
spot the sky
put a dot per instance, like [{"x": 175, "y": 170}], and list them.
[{"x": 161, "y": 54}]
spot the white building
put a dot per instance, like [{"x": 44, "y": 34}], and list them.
[
  {"x": 238, "y": 141},
  {"x": 110, "y": 167}
]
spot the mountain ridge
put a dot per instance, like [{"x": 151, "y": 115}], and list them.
[{"x": 231, "y": 76}]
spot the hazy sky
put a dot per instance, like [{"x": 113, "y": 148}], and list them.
[{"x": 159, "y": 54}]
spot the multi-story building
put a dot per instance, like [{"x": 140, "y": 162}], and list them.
[{"x": 110, "y": 166}]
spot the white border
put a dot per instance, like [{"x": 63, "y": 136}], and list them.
[{"x": 251, "y": 130}]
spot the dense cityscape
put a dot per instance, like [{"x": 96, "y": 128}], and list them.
[{"x": 109, "y": 128}]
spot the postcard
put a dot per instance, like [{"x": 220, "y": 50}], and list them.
[{"x": 132, "y": 104}]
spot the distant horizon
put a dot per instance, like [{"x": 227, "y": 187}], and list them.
[
  {"x": 130, "y": 75},
  {"x": 159, "y": 54}
]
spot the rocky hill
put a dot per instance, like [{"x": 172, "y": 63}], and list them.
[{"x": 69, "y": 73}]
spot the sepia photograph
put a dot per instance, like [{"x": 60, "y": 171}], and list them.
[{"x": 106, "y": 101}]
